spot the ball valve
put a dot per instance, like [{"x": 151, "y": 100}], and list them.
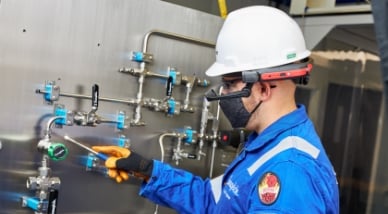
[
  {"x": 51, "y": 92},
  {"x": 54, "y": 150},
  {"x": 138, "y": 56},
  {"x": 46, "y": 191}
]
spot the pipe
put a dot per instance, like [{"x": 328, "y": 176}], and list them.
[
  {"x": 139, "y": 96},
  {"x": 161, "y": 143},
  {"x": 223, "y": 8},
  {"x": 162, "y": 156},
  {"x": 176, "y": 37},
  {"x": 129, "y": 102},
  {"x": 137, "y": 114},
  {"x": 186, "y": 102},
  {"x": 214, "y": 145},
  {"x": 48, "y": 126},
  {"x": 204, "y": 120},
  {"x": 177, "y": 152},
  {"x": 215, "y": 130}
]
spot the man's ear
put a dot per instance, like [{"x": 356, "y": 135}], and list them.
[{"x": 265, "y": 91}]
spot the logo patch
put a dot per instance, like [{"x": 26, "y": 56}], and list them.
[
  {"x": 268, "y": 188},
  {"x": 291, "y": 55}
]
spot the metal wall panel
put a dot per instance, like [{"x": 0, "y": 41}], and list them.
[{"x": 78, "y": 44}]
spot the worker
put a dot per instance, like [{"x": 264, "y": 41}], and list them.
[{"x": 283, "y": 167}]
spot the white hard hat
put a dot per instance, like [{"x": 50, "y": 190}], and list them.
[{"x": 257, "y": 37}]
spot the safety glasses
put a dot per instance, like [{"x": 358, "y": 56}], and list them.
[{"x": 289, "y": 71}]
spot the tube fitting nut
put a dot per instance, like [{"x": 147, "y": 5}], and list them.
[{"x": 32, "y": 183}]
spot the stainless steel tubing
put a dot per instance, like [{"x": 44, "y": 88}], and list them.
[
  {"x": 137, "y": 115},
  {"x": 215, "y": 130},
  {"x": 129, "y": 102},
  {"x": 48, "y": 126},
  {"x": 176, "y": 37}
]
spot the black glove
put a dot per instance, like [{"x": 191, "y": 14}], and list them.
[
  {"x": 124, "y": 161},
  {"x": 135, "y": 163}
]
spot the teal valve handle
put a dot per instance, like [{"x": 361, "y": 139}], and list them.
[{"x": 99, "y": 155}]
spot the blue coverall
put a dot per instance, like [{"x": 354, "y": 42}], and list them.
[{"x": 289, "y": 150}]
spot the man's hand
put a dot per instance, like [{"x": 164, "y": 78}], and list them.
[{"x": 123, "y": 161}]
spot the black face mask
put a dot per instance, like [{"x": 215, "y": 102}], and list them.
[{"x": 235, "y": 111}]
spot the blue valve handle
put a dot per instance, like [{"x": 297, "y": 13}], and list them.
[
  {"x": 102, "y": 156},
  {"x": 99, "y": 155}
]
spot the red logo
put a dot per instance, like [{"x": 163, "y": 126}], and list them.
[{"x": 268, "y": 188}]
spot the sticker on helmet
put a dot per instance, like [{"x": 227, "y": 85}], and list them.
[
  {"x": 268, "y": 188},
  {"x": 291, "y": 55}
]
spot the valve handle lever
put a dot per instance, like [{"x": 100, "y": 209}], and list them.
[
  {"x": 169, "y": 86},
  {"x": 99, "y": 155},
  {"x": 95, "y": 96}
]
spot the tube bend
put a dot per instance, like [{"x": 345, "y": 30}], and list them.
[
  {"x": 161, "y": 143},
  {"x": 49, "y": 124}
]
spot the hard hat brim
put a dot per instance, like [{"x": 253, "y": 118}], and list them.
[{"x": 219, "y": 69}]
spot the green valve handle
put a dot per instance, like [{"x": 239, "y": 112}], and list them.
[{"x": 57, "y": 151}]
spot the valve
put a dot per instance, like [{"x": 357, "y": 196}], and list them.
[
  {"x": 175, "y": 75},
  {"x": 55, "y": 151},
  {"x": 120, "y": 120},
  {"x": 92, "y": 119},
  {"x": 203, "y": 83},
  {"x": 190, "y": 135},
  {"x": 123, "y": 141},
  {"x": 169, "y": 86},
  {"x": 89, "y": 118},
  {"x": 86, "y": 119},
  {"x": 34, "y": 203},
  {"x": 46, "y": 191},
  {"x": 91, "y": 163},
  {"x": 138, "y": 56},
  {"x": 188, "y": 155},
  {"x": 187, "y": 136},
  {"x": 39, "y": 205},
  {"x": 95, "y": 97},
  {"x": 173, "y": 107},
  {"x": 66, "y": 116},
  {"x": 51, "y": 92}
]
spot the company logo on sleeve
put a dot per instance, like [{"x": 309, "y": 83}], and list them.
[{"x": 268, "y": 188}]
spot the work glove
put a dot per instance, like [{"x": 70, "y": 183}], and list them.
[{"x": 123, "y": 161}]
